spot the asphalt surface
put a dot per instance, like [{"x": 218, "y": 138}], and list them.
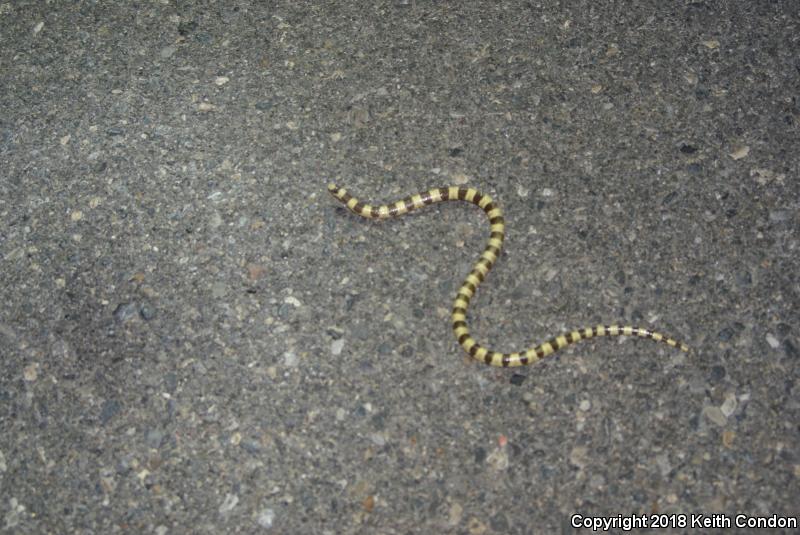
[{"x": 196, "y": 338}]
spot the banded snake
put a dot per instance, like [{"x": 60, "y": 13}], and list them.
[{"x": 478, "y": 273}]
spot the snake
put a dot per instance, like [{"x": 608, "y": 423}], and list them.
[{"x": 479, "y": 271}]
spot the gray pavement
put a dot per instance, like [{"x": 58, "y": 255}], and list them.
[{"x": 195, "y": 338}]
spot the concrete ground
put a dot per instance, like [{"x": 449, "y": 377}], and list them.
[{"x": 196, "y": 338}]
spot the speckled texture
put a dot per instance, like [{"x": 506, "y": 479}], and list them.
[{"x": 196, "y": 339}]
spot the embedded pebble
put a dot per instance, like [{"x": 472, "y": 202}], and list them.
[
  {"x": 154, "y": 438},
  {"x": 266, "y": 518},
  {"x": 664, "y": 466},
  {"x": 579, "y": 456},
  {"x": 109, "y": 409},
  {"x": 726, "y": 334},
  {"x": 717, "y": 373},
  {"x": 336, "y": 346},
  {"x": 229, "y": 503},
  {"x": 284, "y": 310},
  {"x": 773, "y": 342},
  {"x": 476, "y": 527},
  {"x": 778, "y": 216},
  {"x": 455, "y": 514},
  {"x": 715, "y": 415},
  {"x": 728, "y": 405},
  {"x": 147, "y": 312},
  {"x": 167, "y": 52},
  {"x": 218, "y": 290},
  {"x": 459, "y": 179},
  {"x": 31, "y": 372},
  {"x": 728, "y": 437},
  {"x": 16, "y": 512},
  {"x": 125, "y": 311},
  {"x": 292, "y": 300},
  {"x": 498, "y": 459},
  {"x": 215, "y": 220},
  {"x": 290, "y": 359},
  {"x": 597, "y": 481},
  {"x": 739, "y": 152}
]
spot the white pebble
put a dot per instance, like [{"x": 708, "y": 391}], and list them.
[
  {"x": 290, "y": 359},
  {"x": 31, "y": 372},
  {"x": 729, "y": 405},
  {"x": 579, "y": 456},
  {"x": 229, "y": 503},
  {"x": 498, "y": 459},
  {"x": 459, "y": 179},
  {"x": 773, "y": 342},
  {"x": 291, "y": 300},
  {"x": 739, "y": 153},
  {"x": 266, "y": 518},
  {"x": 336, "y": 346},
  {"x": 378, "y": 439}
]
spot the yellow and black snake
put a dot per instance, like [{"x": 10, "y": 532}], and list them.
[{"x": 479, "y": 271}]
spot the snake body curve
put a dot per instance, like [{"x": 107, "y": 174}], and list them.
[{"x": 479, "y": 271}]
